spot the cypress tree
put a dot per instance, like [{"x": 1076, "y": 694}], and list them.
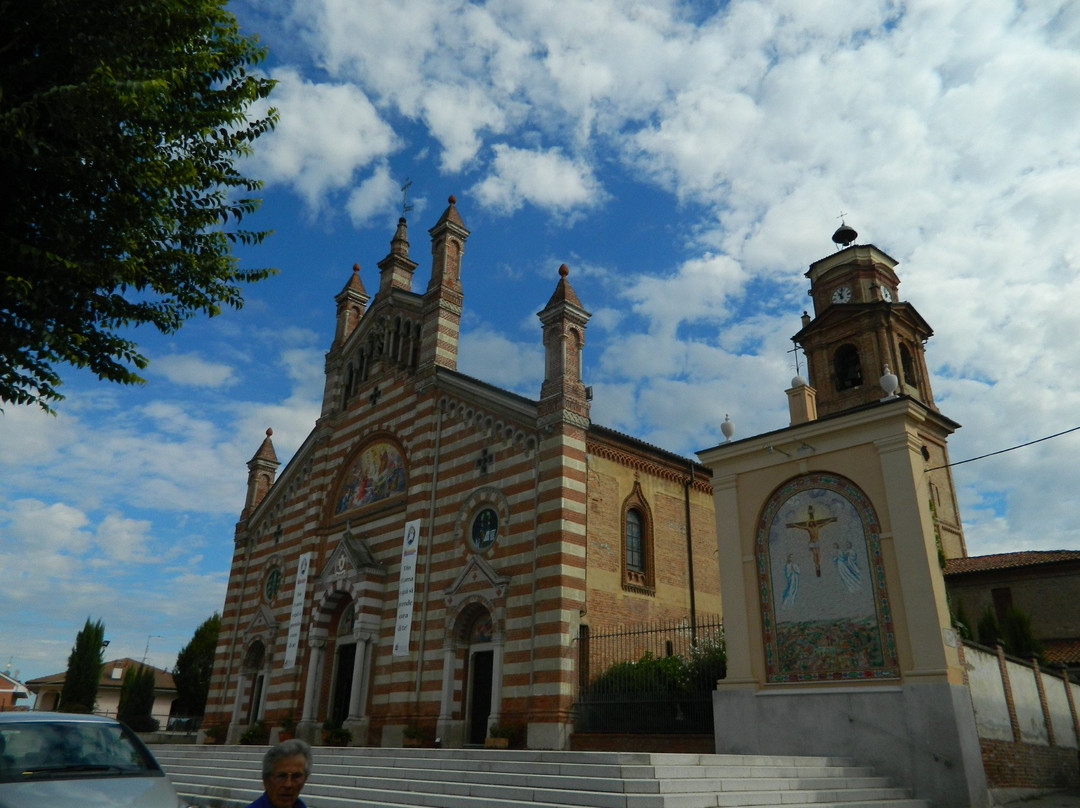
[
  {"x": 85, "y": 663},
  {"x": 137, "y": 699}
]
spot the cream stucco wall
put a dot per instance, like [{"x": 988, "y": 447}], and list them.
[{"x": 880, "y": 449}]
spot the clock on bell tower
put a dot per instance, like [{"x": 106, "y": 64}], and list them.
[{"x": 859, "y": 327}]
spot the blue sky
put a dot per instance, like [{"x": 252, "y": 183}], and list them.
[{"x": 687, "y": 162}]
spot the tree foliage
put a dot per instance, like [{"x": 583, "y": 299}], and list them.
[
  {"x": 121, "y": 123},
  {"x": 1013, "y": 631},
  {"x": 85, "y": 664},
  {"x": 194, "y": 664},
  {"x": 1019, "y": 636},
  {"x": 988, "y": 629},
  {"x": 136, "y": 706}
]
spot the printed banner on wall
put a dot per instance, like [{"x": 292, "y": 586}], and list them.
[
  {"x": 410, "y": 542},
  {"x": 296, "y": 615}
]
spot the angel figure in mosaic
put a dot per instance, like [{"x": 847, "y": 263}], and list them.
[{"x": 791, "y": 576}]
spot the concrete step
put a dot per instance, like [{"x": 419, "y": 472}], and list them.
[{"x": 229, "y": 777}]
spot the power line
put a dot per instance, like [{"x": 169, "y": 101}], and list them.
[{"x": 1003, "y": 451}]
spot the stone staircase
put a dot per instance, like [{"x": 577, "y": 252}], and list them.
[{"x": 230, "y": 777}]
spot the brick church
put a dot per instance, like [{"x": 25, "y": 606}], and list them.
[{"x": 429, "y": 556}]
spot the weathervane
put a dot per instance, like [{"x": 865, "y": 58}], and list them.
[{"x": 405, "y": 206}]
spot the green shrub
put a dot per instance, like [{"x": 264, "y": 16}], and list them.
[{"x": 256, "y": 734}]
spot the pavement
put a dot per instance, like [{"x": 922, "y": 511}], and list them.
[{"x": 1017, "y": 798}]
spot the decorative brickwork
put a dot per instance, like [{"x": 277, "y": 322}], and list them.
[{"x": 453, "y": 536}]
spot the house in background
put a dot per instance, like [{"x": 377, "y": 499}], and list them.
[
  {"x": 1041, "y": 583},
  {"x": 11, "y": 690},
  {"x": 47, "y": 689}
]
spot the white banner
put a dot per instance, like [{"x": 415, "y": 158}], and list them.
[
  {"x": 410, "y": 542},
  {"x": 296, "y": 616}
]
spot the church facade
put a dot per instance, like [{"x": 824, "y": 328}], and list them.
[{"x": 427, "y": 559}]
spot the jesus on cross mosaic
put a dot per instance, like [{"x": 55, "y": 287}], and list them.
[{"x": 812, "y": 526}]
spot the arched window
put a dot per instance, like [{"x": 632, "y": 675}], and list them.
[
  {"x": 847, "y": 367},
  {"x": 907, "y": 365},
  {"x": 638, "y": 565},
  {"x": 635, "y": 549}
]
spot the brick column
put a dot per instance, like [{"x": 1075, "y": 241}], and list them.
[
  {"x": 1072, "y": 704},
  {"x": 1043, "y": 702},
  {"x": 1009, "y": 702}
]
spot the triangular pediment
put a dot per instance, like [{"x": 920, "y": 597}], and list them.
[
  {"x": 351, "y": 559},
  {"x": 262, "y": 623},
  {"x": 477, "y": 578}
]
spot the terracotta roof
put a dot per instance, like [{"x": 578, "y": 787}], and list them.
[
  {"x": 266, "y": 450},
  {"x": 163, "y": 680},
  {"x": 1067, "y": 651},
  {"x": 451, "y": 213},
  {"x": 1000, "y": 561},
  {"x": 354, "y": 284},
  {"x": 564, "y": 292}
]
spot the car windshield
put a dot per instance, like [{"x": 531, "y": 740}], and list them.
[{"x": 40, "y": 750}]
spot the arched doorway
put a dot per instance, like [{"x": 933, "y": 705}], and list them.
[
  {"x": 479, "y": 676},
  {"x": 344, "y": 664},
  {"x": 254, "y": 661}
]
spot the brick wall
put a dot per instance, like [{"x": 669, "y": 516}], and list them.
[{"x": 1010, "y": 764}]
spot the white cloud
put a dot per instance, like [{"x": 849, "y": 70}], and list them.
[
  {"x": 544, "y": 178},
  {"x": 326, "y": 133},
  {"x": 191, "y": 369},
  {"x": 371, "y": 200},
  {"x": 494, "y": 358},
  {"x": 125, "y": 540}
]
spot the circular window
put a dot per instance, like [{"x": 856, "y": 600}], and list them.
[
  {"x": 273, "y": 584},
  {"x": 485, "y": 527}
]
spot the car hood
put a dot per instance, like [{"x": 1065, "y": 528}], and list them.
[{"x": 101, "y": 792}]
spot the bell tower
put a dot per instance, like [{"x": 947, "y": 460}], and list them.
[{"x": 860, "y": 327}]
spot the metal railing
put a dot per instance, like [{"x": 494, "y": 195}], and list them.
[{"x": 652, "y": 678}]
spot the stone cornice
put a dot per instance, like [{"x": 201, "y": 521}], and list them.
[{"x": 637, "y": 462}]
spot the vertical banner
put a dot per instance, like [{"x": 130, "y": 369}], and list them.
[
  {"x": 296, "y": 615},
  {"x": 406, "y": 587}
]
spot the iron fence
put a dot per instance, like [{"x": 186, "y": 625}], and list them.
[{"x": 652, "y": 678}]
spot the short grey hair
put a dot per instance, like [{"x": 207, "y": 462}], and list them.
[{"x": 286, "y": 749}]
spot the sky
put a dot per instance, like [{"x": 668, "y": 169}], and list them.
[{"x": 687, "y": 161}]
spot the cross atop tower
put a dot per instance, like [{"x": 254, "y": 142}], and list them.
[{"x": 405, "y": 206}]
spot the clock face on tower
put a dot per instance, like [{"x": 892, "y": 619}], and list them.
[
  {"x": 842, "y": 295},
  {"x": 886, "y": 294}
]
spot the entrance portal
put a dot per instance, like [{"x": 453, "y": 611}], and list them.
[
  {"x": 480, "y": 666},
  {"x": 343, "y": 681}
]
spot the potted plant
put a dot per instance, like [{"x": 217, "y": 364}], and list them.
[
  {"x": 336, "y": 735},
  {"x": 215, "y": 733},
  {"x": 412, "y": 736},
  {"x": 288, "y": 728},
  {"x": 257, "y": 733},
  {"x": 500, "y": 735}
]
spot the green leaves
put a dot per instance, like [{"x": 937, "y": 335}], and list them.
[{"x": 120, "y": 126}]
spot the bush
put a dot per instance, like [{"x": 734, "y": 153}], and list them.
[
  {"x": 215, "y": 733},
  {"x": 707, "y": 663},
  {"x": 513, "y": 731},
  {"x": 988, "y": 630},
  {"x": 1018, "y": 635},
  {"x": 336, "y": 735},
  {"x": 256, "y": 734},
  {"x": 648, "y": 675},
  {"x": 137, "y": 699}
]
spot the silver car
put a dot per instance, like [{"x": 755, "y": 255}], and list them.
[{"x": 55, "y": 760}]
